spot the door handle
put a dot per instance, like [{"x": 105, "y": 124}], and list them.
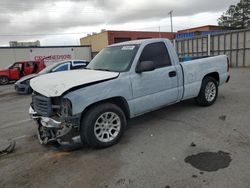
[{"x": 172, "y": 74}]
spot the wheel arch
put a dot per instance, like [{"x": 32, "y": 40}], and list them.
[
  {"x": 119, "y": 101},
  {"x": 5, "y": 75},
  {"x": 214, "y": 75}
]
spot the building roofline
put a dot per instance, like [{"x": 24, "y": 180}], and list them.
[
  {"x": 140, "y": 31},
  {"x": 28, "y": 47},
  {"x": 192, "y": 28},
  {"x": 108, "y": 31}
]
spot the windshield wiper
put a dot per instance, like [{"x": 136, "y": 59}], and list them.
[
  {"x": 88, "y": 68},
  {"x": 103, "y": 70}
]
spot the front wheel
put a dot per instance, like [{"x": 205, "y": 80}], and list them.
[
  {"x": 208, "y": 92},
  {"x": 4, "y": 80},
  {"x": 103, "y": 125}
]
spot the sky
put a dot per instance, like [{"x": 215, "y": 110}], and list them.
[{"x": 64, "y": 22}]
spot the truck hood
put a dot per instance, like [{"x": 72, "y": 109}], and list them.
[{"x": 55, "y": 84}]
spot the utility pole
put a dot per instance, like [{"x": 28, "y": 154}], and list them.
[
  {"x": 159, "y": 31},
  {"x": 171, "y": 20}
]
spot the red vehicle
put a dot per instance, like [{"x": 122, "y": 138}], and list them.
[{"x": 19, "y": 69}]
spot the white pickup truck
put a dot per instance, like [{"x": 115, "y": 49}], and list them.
[{"x": 123, "y": 81}]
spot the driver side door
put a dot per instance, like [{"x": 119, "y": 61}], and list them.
[
  {"x": 157, "y": 88},
  {"x": 15, "y": 71}
]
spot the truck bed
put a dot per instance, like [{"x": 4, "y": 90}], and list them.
[{"x": 195, "y": 70}]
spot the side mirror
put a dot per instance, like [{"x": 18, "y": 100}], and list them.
[{"x": 145, "y": 66}]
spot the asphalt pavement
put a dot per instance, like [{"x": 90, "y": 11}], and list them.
[{"x": 183, "y": 145}]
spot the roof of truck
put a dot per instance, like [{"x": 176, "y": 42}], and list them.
[{"x": 140, "y": 41}]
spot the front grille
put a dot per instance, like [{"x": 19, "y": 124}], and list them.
[{"x": 42, "y": 105}]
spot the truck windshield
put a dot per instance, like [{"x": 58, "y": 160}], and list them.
[{"x": 114, "y": 58}]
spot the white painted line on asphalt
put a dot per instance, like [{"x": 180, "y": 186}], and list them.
[{"x": 19, "y": 137}]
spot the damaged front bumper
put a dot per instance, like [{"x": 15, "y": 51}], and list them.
[{"x": 63, "y": 131}]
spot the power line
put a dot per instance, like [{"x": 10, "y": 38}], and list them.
[
  {"x": 80, "y": 33},
  {"x": 76, "y": 33},
  {"x": 85, "y": 9},
  {"x": 91, "y": 12},
  {"x": 46, "y": 23}
]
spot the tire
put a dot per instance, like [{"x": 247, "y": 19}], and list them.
[
  {"x": 4, "y": 80},
  {"x": 208, "y": 92},
  {"x": 96, "y": 127}
]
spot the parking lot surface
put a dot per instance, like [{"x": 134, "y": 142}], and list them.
[{"x": 182, "y": 145}]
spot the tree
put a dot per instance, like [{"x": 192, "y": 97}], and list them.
[{"x": 237, "y": 16}]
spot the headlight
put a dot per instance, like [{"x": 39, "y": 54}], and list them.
[
  {"x": 26, "y": 82},
  {"x": 66, "y": 107}
]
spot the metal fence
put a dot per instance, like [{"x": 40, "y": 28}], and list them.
[{"x": 235, "y": 44}]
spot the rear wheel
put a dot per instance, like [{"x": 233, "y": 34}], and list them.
[
  {"x": 103, "y": 125},
  {"x": 4, "y": 80},
  {"x": 208, "y": 92}
]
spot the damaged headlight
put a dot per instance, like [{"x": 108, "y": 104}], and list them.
[
  {"x": 27, "y": 82},
  {"x": 66, "y": 107}
]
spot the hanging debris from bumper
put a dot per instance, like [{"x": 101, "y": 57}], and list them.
[{"x": 7, "y": 148}]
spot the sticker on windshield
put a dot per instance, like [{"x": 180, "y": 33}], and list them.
[{"x": 128, "y": 47}]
